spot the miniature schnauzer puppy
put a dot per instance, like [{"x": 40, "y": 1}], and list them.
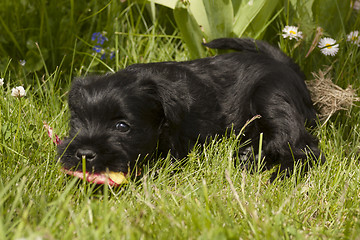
[{"x": 118, "y": 120}]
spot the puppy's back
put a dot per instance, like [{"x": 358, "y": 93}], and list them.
[{"x": 252, "y": 45}]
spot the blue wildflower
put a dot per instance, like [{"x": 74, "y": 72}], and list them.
[
  {"x": 97, "y": 49},
  {"x": 94, "y": 36},
  {"x": 99, "y": 38},
  {"x": 112, "y": 55}
]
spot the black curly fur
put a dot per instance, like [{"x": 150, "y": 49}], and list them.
[{"x": 120, "y": 118}]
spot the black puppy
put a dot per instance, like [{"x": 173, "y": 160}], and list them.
[{"x": 120, "y": 118}]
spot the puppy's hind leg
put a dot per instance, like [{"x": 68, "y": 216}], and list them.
[{"x": 286, "y": 140}]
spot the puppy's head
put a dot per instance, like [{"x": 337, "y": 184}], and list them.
[{"x": 116, "y": 120}]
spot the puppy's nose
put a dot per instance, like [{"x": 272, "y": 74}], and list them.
[{"x": 89, "y": 155}]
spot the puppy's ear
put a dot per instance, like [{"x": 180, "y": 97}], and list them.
[{"x": 174, "y": 98}]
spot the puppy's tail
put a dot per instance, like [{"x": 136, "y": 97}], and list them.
[{"x": 251, "y": 45}]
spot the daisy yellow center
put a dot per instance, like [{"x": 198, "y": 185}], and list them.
[
  {"x": 292, "y": 32},
  {"x": 328, "y": 45}
]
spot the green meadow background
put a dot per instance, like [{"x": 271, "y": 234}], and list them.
[{"x": 45, "y": 44}]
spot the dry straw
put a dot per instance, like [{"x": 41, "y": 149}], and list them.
[{"x": 329, "y": 97}]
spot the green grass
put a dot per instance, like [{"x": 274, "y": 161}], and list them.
[{"x": 205, "y": 198}]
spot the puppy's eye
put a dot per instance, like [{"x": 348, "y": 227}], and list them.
[{"x": 122, "y": 127}]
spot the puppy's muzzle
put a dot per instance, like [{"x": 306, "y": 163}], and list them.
[{"x": 89, "y": 154}]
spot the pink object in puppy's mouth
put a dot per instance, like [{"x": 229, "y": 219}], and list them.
[{"x": 110, "y": 178}]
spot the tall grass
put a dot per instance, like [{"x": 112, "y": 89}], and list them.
[{"x": 205, "y": 198}]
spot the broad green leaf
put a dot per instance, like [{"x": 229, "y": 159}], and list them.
[
  {"x": 197, "y": 10},
  {"x": 302, "y": 10},
  {"x": 190, "y": 30},
  {"x": 236, "y": 4},
  {"x": 256, "y": 26},
  {"x": 259, "y": 34},
  {"x": 220, "y": 18},
  {"x": 307, "y": 6},
  {"x": 246, "y": 13},
  {"x": 167, "y": 3}
]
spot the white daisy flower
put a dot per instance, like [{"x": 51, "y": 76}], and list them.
[
  {"x": 328, "y": 46},
  {"x": 354, "y": 37},
  {"x": 18, "y": 92},
  {"x": 1, "y": 82},
  {"x": 291, "y": 32}
]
